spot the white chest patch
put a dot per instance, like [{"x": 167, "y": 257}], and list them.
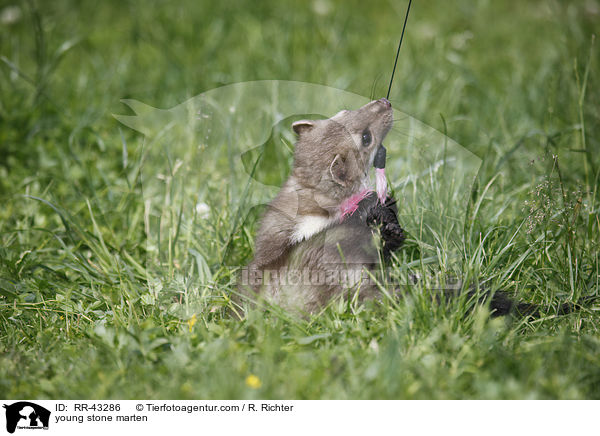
[{"x": 310, "y": 225}]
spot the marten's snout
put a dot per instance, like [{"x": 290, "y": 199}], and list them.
[
  {"x": 380, "y": 106},
  {"x": 385, "y": 102}
]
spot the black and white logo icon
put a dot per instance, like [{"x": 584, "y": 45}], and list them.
[{"x": 26, "y": 415}]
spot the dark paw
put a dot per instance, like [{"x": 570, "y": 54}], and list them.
[
  {"x": 393, "y": 238},
  {"x": 385, "y": 217}
]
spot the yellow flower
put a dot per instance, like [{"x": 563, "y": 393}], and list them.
[
  {"x": 253, "y": 382},
  {"x": 192, "y": 321}
]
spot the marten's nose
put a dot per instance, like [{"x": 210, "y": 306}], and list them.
[{"x": 385, "y": 102}]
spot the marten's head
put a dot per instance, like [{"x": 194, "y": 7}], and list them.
[{"x": 334, "y": 155}]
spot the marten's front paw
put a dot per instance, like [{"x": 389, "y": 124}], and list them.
[
  {"x": 384, "y": 216},
  {"x": 393, "y": 238}
]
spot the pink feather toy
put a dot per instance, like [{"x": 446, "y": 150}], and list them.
[
  {"x": 380, "y": 184},
  {"x": 349, "y": 205}
]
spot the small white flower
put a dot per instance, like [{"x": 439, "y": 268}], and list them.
[
  {"x": 321, "y": 7},
  {"x": 10, "y": 15},
  {"x": 202, "y": 210}
]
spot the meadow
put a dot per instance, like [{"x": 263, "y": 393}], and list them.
[{"x": 91, "y": 307}]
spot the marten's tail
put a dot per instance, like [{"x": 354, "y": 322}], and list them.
[{"x": 502, "y": 304}]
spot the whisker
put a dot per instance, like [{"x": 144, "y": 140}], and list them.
[{"x": 373, "y": 88}]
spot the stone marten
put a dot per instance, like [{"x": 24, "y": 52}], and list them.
[{"x": 312, "y": 247}]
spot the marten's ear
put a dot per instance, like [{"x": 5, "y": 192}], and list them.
[
  {"x": 338, "y": 170},
  {"x": 302, "y": 126}
]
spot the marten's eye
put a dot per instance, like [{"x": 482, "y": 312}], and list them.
[{"x": 366, "y": 138}]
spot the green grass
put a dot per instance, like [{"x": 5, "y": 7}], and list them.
[{"x": 90, "y": 308}]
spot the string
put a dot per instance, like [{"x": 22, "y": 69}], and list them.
[{"x": 398, "y": 52}]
